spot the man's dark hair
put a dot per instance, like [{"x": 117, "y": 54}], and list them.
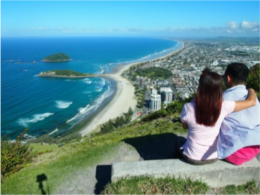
[{"x": 238, "y": 72}]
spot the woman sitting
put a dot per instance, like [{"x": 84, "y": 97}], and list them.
[{"x": 203, "y": 117}]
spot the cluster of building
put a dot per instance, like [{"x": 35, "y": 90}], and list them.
[{"x": 187, "y": 66}]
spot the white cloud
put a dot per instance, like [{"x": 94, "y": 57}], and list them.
[
  {"x": 244, "y": 28},
  {"x": 249, "y": 25},
  {"x": 232, "y": 25}
]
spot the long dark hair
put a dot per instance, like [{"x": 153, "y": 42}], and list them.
[{"x": 209, "y": 98}]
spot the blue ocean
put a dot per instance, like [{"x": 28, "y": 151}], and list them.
[{"x": 55, "y": 105}]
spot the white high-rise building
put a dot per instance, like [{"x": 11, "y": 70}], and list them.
[
  {"x": 155, "y": 100},
  {"x": 167, "y": 94}
]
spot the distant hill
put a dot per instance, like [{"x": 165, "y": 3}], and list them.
[{"x": 59, "y": 57}]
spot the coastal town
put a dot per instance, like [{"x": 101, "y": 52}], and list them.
[{"x": 186, "y": 67}]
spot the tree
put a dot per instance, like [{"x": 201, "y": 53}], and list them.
[
  {"x": 119, "y": 122},
  {"x": 254, "y": 78},
  {"x": 130, "y": 111}
]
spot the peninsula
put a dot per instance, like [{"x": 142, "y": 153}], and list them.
[
  {"x": 59, "y": 57},
  {"x": 64, "y": 74}
]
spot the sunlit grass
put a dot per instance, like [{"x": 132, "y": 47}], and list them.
[
  {"x": 43, "y": 148},
  {"x": 150, "y": 185}
]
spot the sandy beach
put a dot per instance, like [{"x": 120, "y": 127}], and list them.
[{"x": 123, "y": 99}]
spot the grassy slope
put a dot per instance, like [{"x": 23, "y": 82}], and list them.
[
  {"x": 63, "y": 161},
  {"x": 39, "y": 148}
]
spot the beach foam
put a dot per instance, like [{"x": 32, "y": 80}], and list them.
[
  {"x": 37, "y": 117},
  {"x": 91, "y": 108},
  {"x": 100, "y": 84},
  {"x": 55, "y": 130},
  {"x": 99, "y": 100},
  {"x": 73, "y": 118},
  {"x": 81, "y": 111},
  {"x": 102, "y": 70},
  {"x": 98, "y": 89},
  {"x": 87, "y": 80},
  {"x": 63, "y": 104}
]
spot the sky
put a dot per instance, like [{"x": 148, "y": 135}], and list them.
[{"x": 129, "y": 18}]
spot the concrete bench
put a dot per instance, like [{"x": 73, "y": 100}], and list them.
[{"x": 218, "y": 174}]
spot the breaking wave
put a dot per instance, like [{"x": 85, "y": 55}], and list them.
[
  {"x": 37, "y": 117},
  {"x": 88, "y": 81},
  {"x": 63, "y": 104}
]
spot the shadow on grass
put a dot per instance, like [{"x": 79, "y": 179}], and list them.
[
  {"x": 103, "y": 176},
  {"x": 40, "y": 179},
  {"x": 155, "y": 147}
]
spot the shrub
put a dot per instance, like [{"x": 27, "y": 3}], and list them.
[
  {"x": 254, "y": 78},
  {"x": 118, "y": 122},
  {"x": 69, "y": 137},
  {"x": 14, "y": 155},
  {"x": 155, "y": 115},
  {"x": 175, "y": 107},
  {"x": 44, "y": 139}
]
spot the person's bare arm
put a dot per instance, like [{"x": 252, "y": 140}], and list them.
[{"x": 248, "y": 102}]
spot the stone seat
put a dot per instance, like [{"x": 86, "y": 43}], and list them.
[{"x": 218, "y": 174}]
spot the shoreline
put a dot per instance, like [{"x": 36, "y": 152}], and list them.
[{"x": 124, "y": 96}]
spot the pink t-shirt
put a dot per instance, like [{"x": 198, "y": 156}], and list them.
[{"x": 201, "y": 141}]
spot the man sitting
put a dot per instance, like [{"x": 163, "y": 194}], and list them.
[{"x": 239, "y": 138}]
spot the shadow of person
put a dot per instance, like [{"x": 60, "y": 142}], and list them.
[
  {"x": 154, "y": 147},
  {"x": 103, "y": 176},
  {"x": 40, "y": 179}
]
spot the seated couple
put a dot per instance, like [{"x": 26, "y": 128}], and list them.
[{"x": 221, "y": 126}]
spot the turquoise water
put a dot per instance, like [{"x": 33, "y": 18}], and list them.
[{"x": 52, "y": 105}]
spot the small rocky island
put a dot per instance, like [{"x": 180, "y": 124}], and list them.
[
  {"x": 58, "y": 57},
  {"x": 64, "y": 74}
]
